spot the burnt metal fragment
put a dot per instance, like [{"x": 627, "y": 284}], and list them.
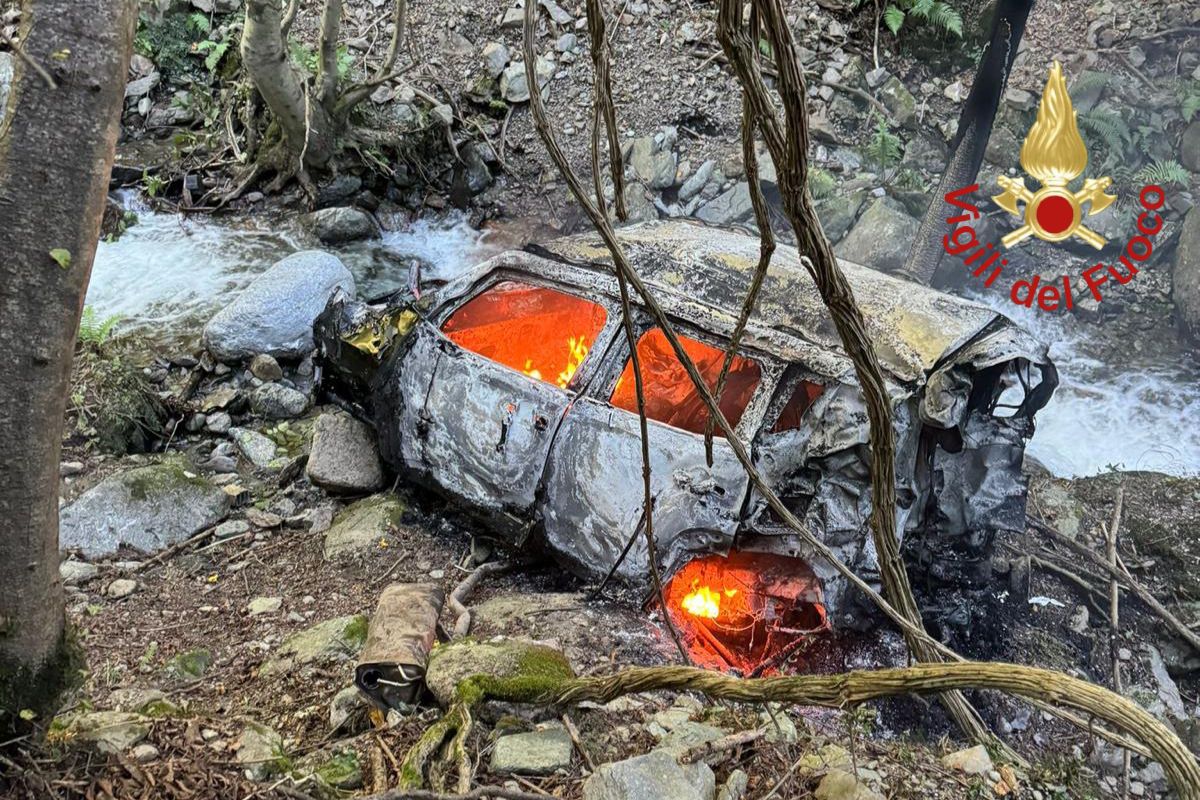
[{"x": 391, "y": 669}]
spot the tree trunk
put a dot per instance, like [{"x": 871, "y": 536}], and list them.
[
  {"x": 309, "y": 133},
  {"x": 971, "y": 139},
  {"x": 56, "y": 152}
]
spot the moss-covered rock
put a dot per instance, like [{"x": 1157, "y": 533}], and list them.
[
  {"x": 332, "y": 770},
  {"x": 336, "y": 639},
  {"x": 190, "y": 664},
  {"x": 103, "y": 731},
  {"x": 147, "y": 508},
  {"x": 361, "y": 526},
  {"x": 112, "y": 403},
  {"x": 260, "y": 751},
  {"x": 508, "y": 669}
]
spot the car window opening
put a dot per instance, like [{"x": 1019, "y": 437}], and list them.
[
  {"x": 805, "y": 394},
  {"x": 541, "y": 332},
  {"x": 671, "y": 398}
]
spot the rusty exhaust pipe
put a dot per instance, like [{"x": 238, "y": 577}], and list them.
[{"x": 403, "y": 630}]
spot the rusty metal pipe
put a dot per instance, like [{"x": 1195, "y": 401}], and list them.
[{"x": 403, "y": 630}]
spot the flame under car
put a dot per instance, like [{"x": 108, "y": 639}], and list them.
[{"x": 510, "y": 390}]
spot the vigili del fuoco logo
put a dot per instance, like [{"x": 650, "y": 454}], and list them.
[{"x": 1054, "y": 155}]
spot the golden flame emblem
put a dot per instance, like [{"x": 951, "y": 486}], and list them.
[{"x": 1054, "y": 154}]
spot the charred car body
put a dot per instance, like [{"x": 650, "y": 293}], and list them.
[{"x": 510, "y": 391}]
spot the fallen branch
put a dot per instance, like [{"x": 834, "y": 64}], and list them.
[
  {"x": 1114, "y": 602},
  {"x": 702, "y": 752},
  {"x": 1121, "y": 572}
]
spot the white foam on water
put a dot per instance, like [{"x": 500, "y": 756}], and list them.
[
  {"x": 1143, "y": 415},
  {"x": 170, "y": 273}
]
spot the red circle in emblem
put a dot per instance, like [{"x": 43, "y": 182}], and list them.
[{"x": 1055, "y": 214}]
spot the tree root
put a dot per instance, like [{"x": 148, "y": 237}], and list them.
[{"x": 829, "y": 691}]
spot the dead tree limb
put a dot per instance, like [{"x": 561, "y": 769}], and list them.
[
  {"x": 603, "y": 109},
  {"x": 762, "y": 219},
  {"x": 458, "y": 598},
  {"x": 385, "y": 71},
  {"x": 790, "y": 154},
  {"x": 1114, "y": 614},
  {"x": 1121, "y": 572}
]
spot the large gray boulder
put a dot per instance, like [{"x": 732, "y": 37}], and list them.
[
  {"x": 656, "y": 774},
  {"x": 728, "y": 208},
  {"x": 275, "y": 313},
  {"x": 345, "y": 457},
  {"x": 881, "y": 237},
  {"x": 1185, "y": 275},
  {"x": 148, "y": 509},
  {"x": 342, "y": 224},
  {"x": 1189, "y": 144}
]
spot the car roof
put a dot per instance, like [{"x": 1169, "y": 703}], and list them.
[{"x": 701, "y": 274}]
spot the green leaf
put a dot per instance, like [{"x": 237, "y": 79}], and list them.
[
  {"x": 893, "y": 18},
  {"x": 62, "y": 257},
  {"x": 28, "y": 714}
]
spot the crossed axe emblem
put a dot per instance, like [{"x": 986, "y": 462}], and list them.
[{"x": 1054, "y": 212}]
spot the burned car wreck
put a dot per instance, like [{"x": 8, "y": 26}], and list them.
[{"x": 509, "y": 390}]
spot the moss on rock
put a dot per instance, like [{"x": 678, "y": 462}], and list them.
[{"x": 509, "y": 669}]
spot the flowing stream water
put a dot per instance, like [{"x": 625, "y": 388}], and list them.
[{"x": 168, "y": 274}]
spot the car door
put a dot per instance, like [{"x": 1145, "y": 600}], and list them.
[
  {"x": 483, "y": 415},
  {"x": 594, "y": 489}
]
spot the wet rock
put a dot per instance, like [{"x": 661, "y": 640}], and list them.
[
  {"x": 106, "y": 732},
  {"x": 692, "y": 186},
  {"x": 258, "y": 449},
  {"x": 345, "y": 457},
  {"x": 729, "y": 207},
  {"x": 147, "y": 508},
  {"x": 1168, "y": 691},
  {"x": 348, "y": 711},
  {"x": 495, "y": 59},
  {"x": 275, "y": 313},
  {"x": 189, "y": 665},
  {"x": 265, "y": 368},
  {"x": 218, "y": 423},
  {"x": 476, "y": 174},
  {"x": 972, "y": 761},
  {"x": 500, "y": 658},
  {"x": 899, "y": 101},
  {"x": 260, "y": 752},
  {"x": 276, "y": 401},
  {"x": 121, "y": 587},
  {"x": 74, "y": 572},
  {"x": 333, "y": 640},
  {"x": 837, "y": 213},
  {"x": 338, "y": 190},
  {"x": 1185, "y": 275},
  {"x": 656, "y": 775},
  {"x": 653, "y": 159},
  {"x": 361, "y": 526},
  {"x": 342, "y": 224},
  {"x": 513, "y": 86},
  {"x": 536, "y": 753},
  {"x": 880, "y": 238},
  {"x": 638, "y": 203},
  {"x": 1189, "y": 147}
]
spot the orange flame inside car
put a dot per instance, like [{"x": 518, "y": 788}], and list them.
[
  {"x": 704, "y": 602},
  {"x": 529, "y": 328},
  {"x": 746, "y": 611}
]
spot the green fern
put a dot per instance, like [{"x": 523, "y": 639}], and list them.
[
  {"x": 216, "y": 51},
  {"x": 1088, "y": 81},
  {"x": 96, "y": 331},
  {"x": 199, "y": 22},
  {"x": 1109, "y": 127},
  {"x": 884, "y": 149},
  {"x": 820, "y": 183},
  {"x": 937, "y": 13},
  {"x": 1162, "y": 172},
  {"x": 1188, "y": 93}
]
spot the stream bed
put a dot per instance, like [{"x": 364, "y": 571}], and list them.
[{"x": 169, "y": 273}]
